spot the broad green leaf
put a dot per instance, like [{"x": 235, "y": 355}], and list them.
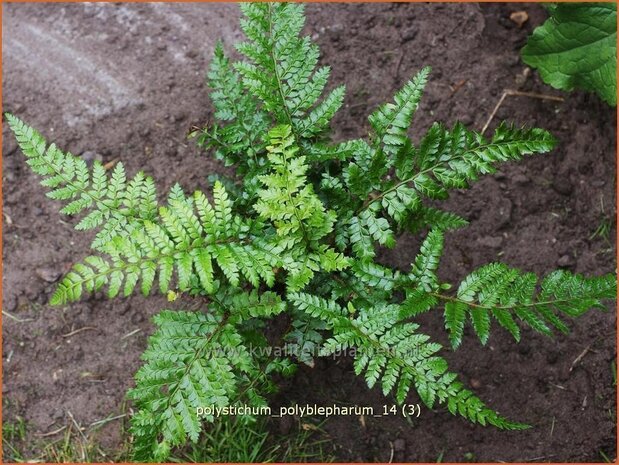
[{"x": 577, "y": 48}]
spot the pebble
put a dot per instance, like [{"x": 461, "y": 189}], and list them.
[
  {"x": 48, "y": 274},
  {"x": 58, "y": 414},
  {"x": 409, "y": 34},
  {"x": 504, "y": 213},
  {"x": 467, "y": 120},
  {"x": 552, "y": 357},
  {"x": 566, "y": 261},
  {"x": 90, "y": 157},
  {"x": 512, "y": 60},
  {"x": 124, "y": 307},
  {"x": 521, "y": 179},
  {"x": 399, "y": 445},
  {"x": 192, "y": 53},
  {"x": 336, "y": 32},
  {"x": 562, "y": 185},
  {"x": 11, "y": 303},
  {"x": 475, "y": 383},
  {"x": 493, "y": 242},
  {"x": 285, "y": 424}
]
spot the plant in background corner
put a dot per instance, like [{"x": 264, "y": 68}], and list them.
[
  {"x": 577, "y": 48},
  {"x": 296, "y": 233}
]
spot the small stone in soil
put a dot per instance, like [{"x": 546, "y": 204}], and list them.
[
  {"x": 409, "y": 34},
  {"x": 48, "y": 274},
  {"x": 552, "y": 357},
  {"x": 505, "y": 213},
  {"x": 124, "y": 308},
  {"x": 90, "y": 157},
  {"x": 9, "y": 176},
  {"x": 467, "y": 120},
  {"x": 562, "y": 185},
  {"x": 491, "y": 242},
  {"x": 521, "y": 179},
  {"x": 58, "y": 414},
  {"x": 399, "y": 445},
  {"x": 11, "y": 303},
  {"x": 475, "y": 383},
  {"x": 285, "y": 424},
  {"x": 523, "y": 349},
  {"x": 566, "y": 261}
]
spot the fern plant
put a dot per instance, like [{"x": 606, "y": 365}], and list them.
[{"x": 296, "y": 233}]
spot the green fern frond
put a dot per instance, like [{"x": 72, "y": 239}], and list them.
[
  {"x": 112, "y": 202},
  {"x": 392, "y": 120},
  {"x": 376, "y": 276},
  {"x": 434, "y": 218},
  {"x": 239, "y": 138},
  {"x": 305, "y": 338},
  {"x": 245, "y": 305},
  {"x": 189, "y": 236},
  {"x": 298, "y": 215},
  {"x": 193, "y": 360},
  {"x": 451, "y": 159},
  {"x": 426, "y": 263},
  {"x": 444, "y": 160},
  {"x": 282, "y": 71},
  {"x": 398, "y": 357},
  {"x": 498, "y": 292}
]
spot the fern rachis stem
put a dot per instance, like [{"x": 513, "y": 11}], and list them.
[
  {"x": 277, "y": 76},
  {"x": 498, "y": 307},
  {"x": 380, "y": 195}
]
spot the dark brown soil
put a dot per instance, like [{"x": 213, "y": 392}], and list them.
[{"x": 126, "y": 81}]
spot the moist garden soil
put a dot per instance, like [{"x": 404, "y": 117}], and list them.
[{"x": 125, "y": 81}]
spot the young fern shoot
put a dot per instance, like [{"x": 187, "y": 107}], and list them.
[{"x": 299, "y": 236}]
